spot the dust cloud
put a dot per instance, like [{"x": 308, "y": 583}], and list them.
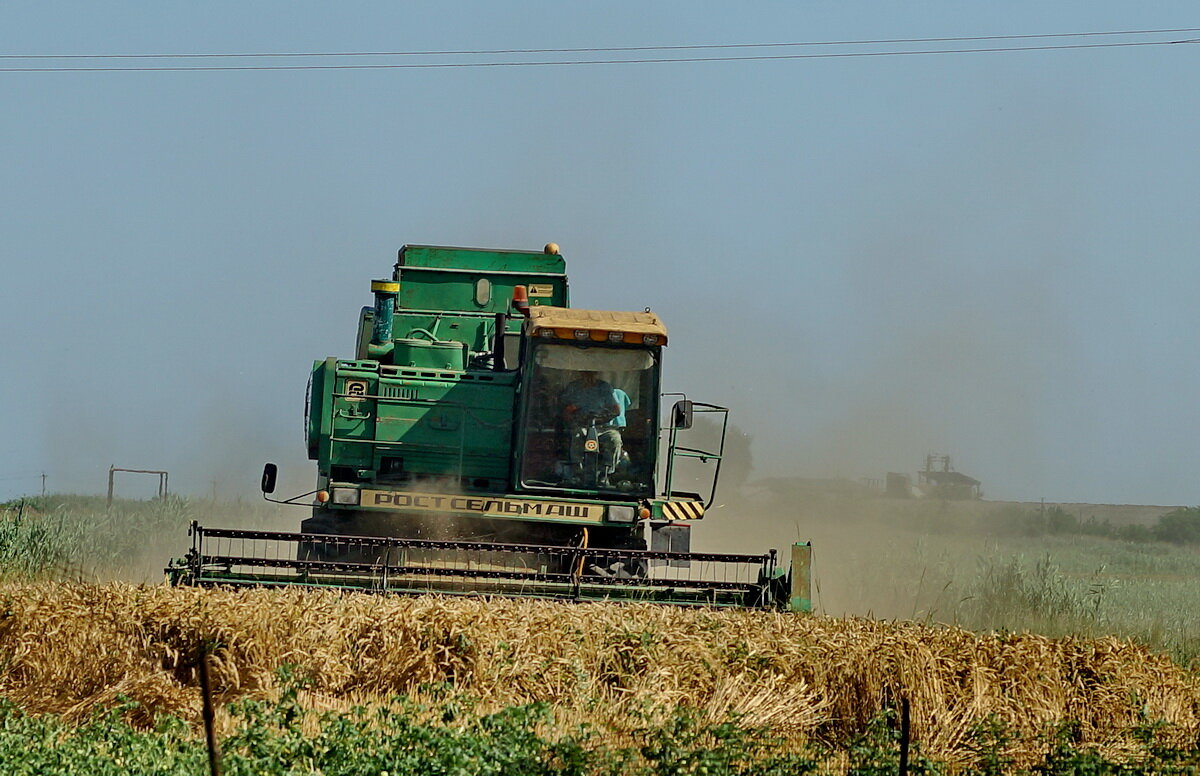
[
  {"x": 943, "y": 323},
  {"x": 939, "y": 313},
  {"x": 871, "y": 555}
]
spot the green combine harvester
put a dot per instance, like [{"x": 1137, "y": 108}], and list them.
[{"x": 488, "y": 438}]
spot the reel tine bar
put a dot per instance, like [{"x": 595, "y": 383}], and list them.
[{"x": 414, "y": 566}]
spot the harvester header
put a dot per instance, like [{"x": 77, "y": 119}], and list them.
[{"x": 482, "y": 415}]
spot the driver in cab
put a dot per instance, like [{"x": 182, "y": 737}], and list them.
[{"x": 589, "y": 400}]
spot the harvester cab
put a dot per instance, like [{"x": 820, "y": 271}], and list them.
[{"x": 488, "y": 437}]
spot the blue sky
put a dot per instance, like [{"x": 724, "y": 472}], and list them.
[{"x": 991, "y": 255}]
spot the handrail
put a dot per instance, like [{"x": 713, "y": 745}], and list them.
[{"x": 674, "y": 450}]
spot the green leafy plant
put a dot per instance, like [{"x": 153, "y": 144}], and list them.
[{"x": 876, "y": 751}]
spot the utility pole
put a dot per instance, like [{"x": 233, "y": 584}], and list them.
[{"x": 43, "y": 484}]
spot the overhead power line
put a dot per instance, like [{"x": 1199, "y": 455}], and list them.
[
  {"x": 570, "y": 62},
  {"x": 604, "y": 49}
]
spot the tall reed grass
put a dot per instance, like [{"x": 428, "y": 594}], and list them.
[{"x": 83, "y": 538}]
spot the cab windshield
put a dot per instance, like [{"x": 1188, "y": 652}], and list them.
[{"x": 591, "y": 418}]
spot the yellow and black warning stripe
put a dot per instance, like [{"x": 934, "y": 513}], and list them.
[{"x": 683, "y": 510}]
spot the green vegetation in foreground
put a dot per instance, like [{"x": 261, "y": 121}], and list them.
[
  {"x": 402, "y": 738},
  {"x": 285, "y": 738}
]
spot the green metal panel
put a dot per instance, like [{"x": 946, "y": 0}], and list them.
[
  {"x": 482, "y": 259},
  {"x": 319, "y": 415},
  {"x": 444, "y": 285},
  {"x": 441, "y": 423},
  {"x": 449, "y": 425},
  {"x": 800, "y": 598},
  {"x": 456, "y": 290},
  {"x": 353, "y": 419},
  {"x": 424, "y": 354}
]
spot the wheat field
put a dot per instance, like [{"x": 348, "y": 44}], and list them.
[{"x": 69, "y": 649}]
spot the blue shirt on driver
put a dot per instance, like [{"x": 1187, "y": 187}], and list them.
[{"x": 623, "y": 403}]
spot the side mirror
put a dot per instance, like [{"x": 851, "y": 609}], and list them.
[
  {"x": 681, "y": 414},
  {"x": 270, "y": 473}
]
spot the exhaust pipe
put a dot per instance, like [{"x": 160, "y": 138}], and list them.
[
  {"x": 385, "y": 292},
  {"x": 498, "y": 342}
]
